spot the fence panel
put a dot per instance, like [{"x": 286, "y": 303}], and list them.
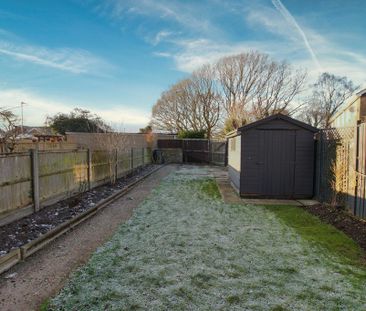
[
  {"x": 170, "y": 143},
  {"x": 103, "y": 166},
  {"x": 197, "y": 150},
  {"x": 138, "y": 157},
  {"x": 15, "y": 182},
  {"x": 123, "y": 163},
  {"x": 62, "y": 173},
  {"x": 335, "y": 166},
  {"x": 58, "y": 175},
  {"x": 218, "y": 152}
]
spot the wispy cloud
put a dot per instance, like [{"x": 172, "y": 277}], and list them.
[
  {"x": 39, "y": 107},
  {"x": 161, "y": 35},
  {"x": 189, "y": 15},
  {"x": 193, "y": 53},
  {"x": 330, "y": 53},
  {"x": 76, "y": 61},
  {"x": 292, "y": 22},
  {"x": 193, "y": 35}
]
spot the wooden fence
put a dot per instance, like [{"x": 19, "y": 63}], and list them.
[
  {"x": 360, "y": 172},
  {"x": 197, "y": 150},
  {"x": 341, "y": 168},
  {"x": 32, "y": 180}
]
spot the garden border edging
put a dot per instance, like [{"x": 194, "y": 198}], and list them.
[{"x": 18, "y": 254}]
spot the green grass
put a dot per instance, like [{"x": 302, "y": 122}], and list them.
[
  {"x": 322, "y": 235},
  {"x": 210, "y": 188},
  {"x": 45, "y": 305},
  {"x": 185, "y": 249}
]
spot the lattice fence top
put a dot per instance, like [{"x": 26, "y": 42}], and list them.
[{"x": 344, "y": 133}]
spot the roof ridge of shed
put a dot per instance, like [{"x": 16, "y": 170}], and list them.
[{"x": 279, "y": 116}]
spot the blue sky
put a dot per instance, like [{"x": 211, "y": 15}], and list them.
[{"x": 115, "y": 57}]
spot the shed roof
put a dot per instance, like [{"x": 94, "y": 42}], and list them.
[{"x": 278, "y": 116}]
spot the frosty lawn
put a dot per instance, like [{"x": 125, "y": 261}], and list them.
[{"x": 184, "y": 249}]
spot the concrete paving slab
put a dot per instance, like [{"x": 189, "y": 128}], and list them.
[
  {"x": 309, "y": 202},
  {"x": 230, "y": 196},
  {"x": 270, "y": 202}
]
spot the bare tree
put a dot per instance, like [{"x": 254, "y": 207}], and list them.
[
  {"x": 8, "y": 130},
  {"x": 313, "y": 115},
  {"x": 238, "y": 89},
  {"x": 192, "y": 104},
  {"x": 111, "y": 147},
  {"x": 240, "y": 79},
  {"x": 167, "y": 113},
  {"x": 280, "y": 84},
  {"x": 254, "y": 87},
  {"x": 206, "y": 99},
  {"x": 328, "y": 94}
]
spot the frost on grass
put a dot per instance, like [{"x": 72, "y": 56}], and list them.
[{"x": 185, "y": 250}]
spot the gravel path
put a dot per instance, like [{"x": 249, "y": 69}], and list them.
[{"x": 28, "y": 284}]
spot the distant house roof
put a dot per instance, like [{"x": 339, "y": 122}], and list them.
[
  {"x": 38, "y": 130},
  {"x": 278, "y": 116}
]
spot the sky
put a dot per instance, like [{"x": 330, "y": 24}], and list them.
[{"x": 115, "y": 57}]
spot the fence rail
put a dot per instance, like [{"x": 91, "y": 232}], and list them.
[{"x": 32, "y": 180}]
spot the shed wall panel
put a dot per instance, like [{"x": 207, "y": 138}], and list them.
[
  {"x": 277, "y": 160},
  {"x": 234, "y": 176},
  {"x": 234, "y": 155}
]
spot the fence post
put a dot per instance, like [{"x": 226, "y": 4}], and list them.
[
  {"x": 143, "y": 156},
  {"x": 320, "y": 166},
  {"x": 131, "y": 159},
  {"x": 35, "y": 178},
  {"x": 89, "y": 159},
  {"x": 226, "y": 155},
  {"x": 356, "y": 168},
  {"x": 116, "y": 163},
  {"x": 183, "y": 151},
  {"x": 209, "y": 151}
]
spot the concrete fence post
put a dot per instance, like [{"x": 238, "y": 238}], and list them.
[
  {"x": 35, "y": 178},
  {"x": 89, "y": 160}
]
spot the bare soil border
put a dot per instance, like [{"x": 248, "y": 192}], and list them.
[
  {"x": 352, "y": 226},
  {"x": 15, "y": 255}
]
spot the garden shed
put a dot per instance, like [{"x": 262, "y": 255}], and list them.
[{"x": 273, "y": 158}]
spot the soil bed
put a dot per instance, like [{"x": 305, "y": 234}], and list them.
[
  {"x": 352, "y": 226},
  {"x": 29, "y": 228}
]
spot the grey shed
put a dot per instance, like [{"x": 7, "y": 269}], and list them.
[{"x": 273, "y": 158}]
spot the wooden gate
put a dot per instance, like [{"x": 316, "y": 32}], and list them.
[{"x": 198, "y": 150}]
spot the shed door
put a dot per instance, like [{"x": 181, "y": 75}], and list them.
[{"x": 276, "y": 166}]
